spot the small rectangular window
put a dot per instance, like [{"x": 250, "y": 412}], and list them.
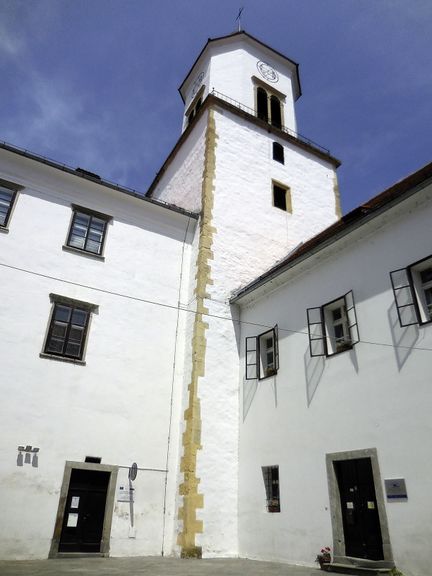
[
  {"x": 87, "y": 231},
  {"x": 278, "y": 152},
  {"x": 8, "y": 194},
  {"x": 333, "y": 326},
  {"x": 282, "y": 197},
  {"x": 412, "y": 288},
  {"x": 262, "y": 355},
  {"x": 68, "y": 327},
  {"x": 271, "y": 484}
]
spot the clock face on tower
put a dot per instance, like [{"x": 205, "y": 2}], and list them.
[{"x": 267, "y": 71}]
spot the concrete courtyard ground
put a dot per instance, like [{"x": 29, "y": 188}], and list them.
[{"x": 154, "y": 566}]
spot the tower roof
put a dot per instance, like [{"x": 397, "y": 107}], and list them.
[{"x": 251, "y": 39}]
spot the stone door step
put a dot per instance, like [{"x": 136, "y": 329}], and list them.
[{"x": 356, "y": 570}]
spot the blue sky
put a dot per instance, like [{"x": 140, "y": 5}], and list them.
[{"x": 93, "y": 83}]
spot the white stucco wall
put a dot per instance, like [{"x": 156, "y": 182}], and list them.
[
  {"x": 230, "y": 68},
  {"x": 251, "y": 233},
  {"x": 376, "y": 396},
  {"x": 250, "y": 236},
  {"x": 120, "y": 404},
  {"x": 181, "y": 182}
]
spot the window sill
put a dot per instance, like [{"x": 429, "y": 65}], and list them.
[
  {"x": 4, "y": 230},
  {"x": 83, "y": 253},
  {"x": 62, "y": 359},
  {"x": 345, "y": 349},
  {"x": 269, "y": 375}
]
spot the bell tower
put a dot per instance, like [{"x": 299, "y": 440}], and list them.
[
  {"x": 261, "y": 190},
  {"x": 241, "y": 69}
]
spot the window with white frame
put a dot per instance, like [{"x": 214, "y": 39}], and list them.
[
  {"x": 262, "y": 355},
  {"x": 333, "y": 326},
  {"x": 412, "y": 288},
  {"x": 271, "y": 484}
]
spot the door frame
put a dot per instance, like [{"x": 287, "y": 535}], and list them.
[
  {"x": 335, "y": 502},
  {"x": 109, "y": 508}
]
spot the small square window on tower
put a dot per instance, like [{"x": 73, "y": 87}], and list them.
[
  {"x": 282, "y": 197},
  {"x": 278, "y": 152}
]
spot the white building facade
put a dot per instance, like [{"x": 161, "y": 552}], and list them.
[
  {"x": 335, "y": 437},
  {"x": 120, "y": 309}
]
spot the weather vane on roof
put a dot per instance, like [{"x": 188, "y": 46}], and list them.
[{"x": 239, "y": 18}]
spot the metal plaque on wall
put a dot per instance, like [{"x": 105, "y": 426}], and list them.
[{"x": 395, "y": 489}]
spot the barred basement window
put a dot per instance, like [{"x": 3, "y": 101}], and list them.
[
  {"x": 333, "y": 326},
  {"x": 87, "y": 230},
  {"x": 262, "y": 355},
  {"x": 412, "y": 289},
  {"x": 68, "y": 327},
  {"x": 278, "y": 152},
  {"x": 271, "y": 483}
]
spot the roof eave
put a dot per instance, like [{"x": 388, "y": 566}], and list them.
[{"x": 298, "y": 91}]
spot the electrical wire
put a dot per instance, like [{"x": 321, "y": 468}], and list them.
[{"x": 185, "y": 309}]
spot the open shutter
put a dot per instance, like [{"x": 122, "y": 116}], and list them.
[
  {"x": 316, "y": 332},
  {"x": 251, "y": 358},
  {"x": 404, "y": 297},
  {"x": 276, "y": 346},
  {"x": 352, "y": 317}
]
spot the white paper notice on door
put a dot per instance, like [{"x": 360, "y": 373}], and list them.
[
  {"x": 72, "y": 520},
  {"x": 75, "y": 502}
]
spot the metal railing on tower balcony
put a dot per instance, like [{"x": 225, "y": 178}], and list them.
[{"x": 252, "y": 112}]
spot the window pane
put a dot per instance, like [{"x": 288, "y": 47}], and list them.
[
  {"x": 79, "y": 317},
  {"x": 337, "y": 314},
  {"x": 278, "y": 152},
  {"x": 62, "y": 313},
  {"x": 73, "y": 350},
  {"x": 426, "y": 275},
  {"x": 55, "y": 345},
  {"x": 262, "y": 110},
  {"x": 59, "y": 330},
  {"x": 94, "y": 245},
  {"x": 279, "y": 197},
  {"x": 75, "y": 335},
  {"x": 5, "y": 202},
  {"x": 275, "y": 110}
]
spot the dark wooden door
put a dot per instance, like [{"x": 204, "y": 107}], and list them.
[
  {"x": 84, "y": 512},
  {"x": 360, "y": 516}
]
